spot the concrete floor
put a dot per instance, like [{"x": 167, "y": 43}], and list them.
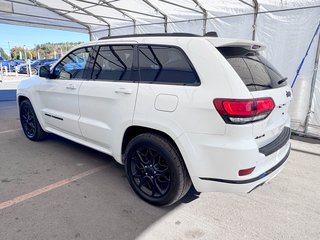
[{"x": 103, "y": 206}]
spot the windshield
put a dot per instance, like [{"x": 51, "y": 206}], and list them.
[
  {"x": 254, "y": 70},
  {"x": 35, "y": 62}
]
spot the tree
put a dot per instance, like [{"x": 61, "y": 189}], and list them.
[
  {"x": 17, "y": 52},
  {"x": 45, "y": 50}
]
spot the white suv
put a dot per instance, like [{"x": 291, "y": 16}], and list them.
[{"x": 175, "y": 109}]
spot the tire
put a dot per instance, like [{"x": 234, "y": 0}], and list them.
[
  {"x": 34, "y": 71},
  {"x": 30, "y": 123},
  {"x": 155, "y": 170}
]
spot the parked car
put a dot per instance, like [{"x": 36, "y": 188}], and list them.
[
  {"x": 5, "y": 63},
  {"x": 175, "y": 109},
  {"x": 35, "y": 65},
  {"x": 10, "y": 64}
]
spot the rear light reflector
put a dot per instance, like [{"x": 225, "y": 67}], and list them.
[
  {"x": 242, "y": 111},
  {"x": 244, "y": 172}
]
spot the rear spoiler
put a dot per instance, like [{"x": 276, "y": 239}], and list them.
[{"x": 247, "y": 44}]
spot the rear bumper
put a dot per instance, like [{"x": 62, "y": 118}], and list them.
[
  {"x": 251, "y": 183},
  {"x": 214, "y": 162}
]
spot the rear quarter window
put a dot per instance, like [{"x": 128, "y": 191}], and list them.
[
  {"x": 254, "y": 70},
  {"x": 165, "y": 64}
]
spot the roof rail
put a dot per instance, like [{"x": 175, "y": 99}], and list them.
[
  {"x": 176, "y": 34},
  {"x": 153, "y": 35}
]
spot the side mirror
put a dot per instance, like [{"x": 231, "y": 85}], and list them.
[{"x": 44, "y": 71}]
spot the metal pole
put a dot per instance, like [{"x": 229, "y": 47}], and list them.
[
  {"x": 164, "y": 16},
  {"x": 91, "y": 35},
  {"x": 25, "y": 52},
  {"x": 9, "y": 49},
  {"x": 255, "y": 7},
  {"x": 255, "y": 16},
  {"x": 205, "y": 16},
  {"x": 123, "y": 13},
  {"x": 29, "y": 67},
  {"x": 313, "y": 85}
]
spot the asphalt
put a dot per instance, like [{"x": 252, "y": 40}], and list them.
[{"x": 102, "y": 205}]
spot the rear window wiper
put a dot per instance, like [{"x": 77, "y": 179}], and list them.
[
  {"x": 259, "y": 85},
  {"x": 282, "y": 80}
]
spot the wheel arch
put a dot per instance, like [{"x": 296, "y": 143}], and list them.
[
  {"x": 22, "y": 98},
  {"x": 134, "y": 131}
]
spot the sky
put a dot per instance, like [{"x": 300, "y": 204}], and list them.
[{"x": 29, "y": 36}]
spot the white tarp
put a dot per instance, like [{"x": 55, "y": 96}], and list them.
[{"x": 285, "y": 26}]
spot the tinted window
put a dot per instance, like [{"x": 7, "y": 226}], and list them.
[
  {"x": 254, "y": 70},
  {"x": 113, "y": 63},
  {"x": 73, "y": 66},
  {"x": 165, "y": 64}
]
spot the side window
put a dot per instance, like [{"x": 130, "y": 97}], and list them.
[
  {"x": 113, "y": 63},
  {"x": 165, "y": 64},
  {"x": 73, "y": 66}
]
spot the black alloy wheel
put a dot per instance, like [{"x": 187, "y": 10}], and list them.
[
  {"x": 150, "y": 172},
  {"x": 29, "y": 122},
  {"x": 155, "y": 170}
]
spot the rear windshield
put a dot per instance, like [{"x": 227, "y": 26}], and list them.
[{"x": 254, "y": 70}]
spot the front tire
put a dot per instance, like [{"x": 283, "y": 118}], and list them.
[
  {"x": 34, "y": 71},
  {"x": 29, "y": 122},
  {"x": 155, "y": 170}
]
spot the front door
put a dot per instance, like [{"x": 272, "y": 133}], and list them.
[{"x": 58, "y": 97}]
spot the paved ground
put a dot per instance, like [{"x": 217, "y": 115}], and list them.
[{"x": 101, "y": 205}]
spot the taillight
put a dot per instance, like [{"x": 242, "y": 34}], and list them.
[{"x": 242, "y": 111}]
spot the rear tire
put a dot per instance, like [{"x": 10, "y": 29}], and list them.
[
  {"x": 155, "y": 170},
  {"x": 34, "y": 71},
  {"x": 29, "y": 122}
]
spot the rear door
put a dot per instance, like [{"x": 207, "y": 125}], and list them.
[
  {"x": 107, "y": 101},
  {"x": 262, "y": 80}
]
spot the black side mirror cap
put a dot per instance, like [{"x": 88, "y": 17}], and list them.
[{"x": 44, "y": 71}]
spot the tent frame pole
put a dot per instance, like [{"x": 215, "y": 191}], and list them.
[
  {"x": 255, "y": 7},
  {"x": 91, "y": 14},
  {"x": 205, "y": 15},
  {"x": 123, "y": 13},
  {"x": 36, "y": 3},
  {"x": 164, "y": 16},
  {"x": 181, "y": 6},
  {"x": 313, "y": 85},
  {"x": 255, "y": 17},
  {"x": 123, "y": 9}
]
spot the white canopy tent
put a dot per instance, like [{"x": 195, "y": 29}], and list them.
[{"x": 285, "y": 26}]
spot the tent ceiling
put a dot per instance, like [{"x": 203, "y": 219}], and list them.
[{"x": 104, "y": 15}]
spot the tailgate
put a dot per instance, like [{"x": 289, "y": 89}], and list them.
[
  {"x": 269, "y": 129},
  {"x": 263, "y": 81}
]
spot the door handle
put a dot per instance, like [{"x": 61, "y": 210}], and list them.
[
  {"x": 123, "y": 90},
  {"x": 70, "y": 86}
]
